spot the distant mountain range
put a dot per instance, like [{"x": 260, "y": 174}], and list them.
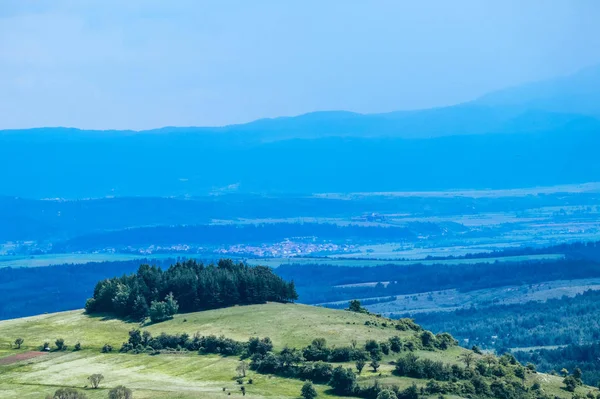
[{"x": 542, "y": 133}]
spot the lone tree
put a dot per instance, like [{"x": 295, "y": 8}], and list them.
[
  {"x": 120, "y": 392},
  {"x": 95, "y": 380},
  {"x": 19, "y": 342},
  {"x": 241, "y": 369},
  {"x": 308, "y": 391},
  {"x": 490, "y": 360},
  {"x": 360, "y": 365},
  {"x": 374, "y": 364},
  {"x": 467, "y": 358},
  {"x": 355, "y": 306},
  {"x": 60, "y": 344}
]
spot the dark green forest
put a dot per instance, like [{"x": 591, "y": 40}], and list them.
[
  {"x": 187, "y": 287},
  {"x": 554, "y": 322},
  {"x": 584, "y": 357}
]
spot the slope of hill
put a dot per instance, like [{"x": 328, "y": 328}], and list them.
[{"x": 189, "y": 375}]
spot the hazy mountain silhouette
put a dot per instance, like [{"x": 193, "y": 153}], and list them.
[{"x": 538, "y": 134}]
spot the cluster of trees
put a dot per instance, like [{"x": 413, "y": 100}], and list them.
[
  {"x": 563, "y": 321},
  {"x": 320, "y": 283},
  {"x": 139, "y": 342},
  {"x": 572, "y": 357},
  {"x": 118, "y": 392},
  {"x": 188, "y": 286},
  {"x": 60, "y": 345}
]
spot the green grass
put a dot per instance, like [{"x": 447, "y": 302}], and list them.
[
  {"x": 286, "y": 324},
  {"x": 188, "y": 375}
]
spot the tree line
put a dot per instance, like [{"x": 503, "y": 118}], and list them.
[{"x": 188, "y": 286}]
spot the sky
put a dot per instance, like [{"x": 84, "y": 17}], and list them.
[{"x": 142, "y": 64}]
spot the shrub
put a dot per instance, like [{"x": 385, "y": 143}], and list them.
[
  {"x": 120, "y": 392},
  {"x": 343, "y": 381},
  {"x": 107, "y": 348},
  {"x": 19, "y": 342},
  {"x": 308, "y": 391},
  {"x": 386, "y": 394},
  {"x": 77, "y": 347},
  {"x": 395, "y": 344},
  {"x": 67, "y": 393}
]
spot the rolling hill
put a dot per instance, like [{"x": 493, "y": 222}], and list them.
[{"x": 189, "y": 375}]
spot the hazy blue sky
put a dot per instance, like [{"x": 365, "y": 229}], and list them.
[{"x": 142, "y": 64}]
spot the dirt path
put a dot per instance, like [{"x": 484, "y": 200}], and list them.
[{"x": 20, "y": 357}]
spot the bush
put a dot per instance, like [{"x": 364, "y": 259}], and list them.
[
  {"x": 67, "y": 393},
  {"x": 107, "y": 348},
  {"x": 19, "y": 342},
  {"x": 77, "y": 347},
  {"x": 343, "y": 381},
  {"x": 120, "y": 392},
  {"x": 395, "y": 344},
  {"x": 308, "y": 391},
  {"x": 386, "y": 394}
]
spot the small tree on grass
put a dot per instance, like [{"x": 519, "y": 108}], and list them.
[
  {"x": 46, "y": 346},
  {"x": 242, "y": 368},
  {"x": 467, "y": 358},
  {"x": 95, "y": 380},
  {"x": 355, "y": 306},
  {"x": 60, "y": 344},
  {"x": 19, "y": 342},
  {"x": 120, "y": 392},
  {"x": 374, "y": 364},
  {"x": 308, "y": 391},
  {"x": 360, "y": 365}
]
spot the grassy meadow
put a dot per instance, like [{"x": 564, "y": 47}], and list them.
[{"x": 189, "y": 375}]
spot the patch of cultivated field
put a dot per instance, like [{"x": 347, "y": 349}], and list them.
[
  {"x": 59, "y": 259},
  {"x": 339, "y": 261}
]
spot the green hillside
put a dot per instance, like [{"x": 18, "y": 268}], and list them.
[{"x": 190, "y": 375}]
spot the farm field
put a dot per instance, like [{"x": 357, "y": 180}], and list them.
[
  {"x": 58, "y": 259},
  {"x": 336, "y": 261},
  {"x": 189, "y": 375}
]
